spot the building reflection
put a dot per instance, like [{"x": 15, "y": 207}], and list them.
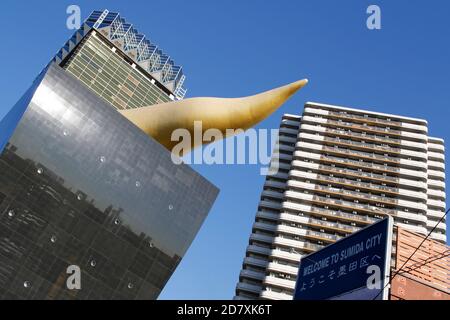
[{"x": 50, "y": 226}]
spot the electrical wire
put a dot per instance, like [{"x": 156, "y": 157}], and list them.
[
  {"x": 429, "y": 258},
  {"x": 427, "y": 262},
  {"x": 407, "y": 260}
]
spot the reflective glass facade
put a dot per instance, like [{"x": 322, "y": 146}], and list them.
[
  {"x": 81, "y": 185},
  {"x": 132, "y": 44},
  {"x": 112, "y": 76}
]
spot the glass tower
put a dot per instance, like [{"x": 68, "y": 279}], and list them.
[
  {"x": 116, "y": 61},
  {"x": 81, "y": 186}
]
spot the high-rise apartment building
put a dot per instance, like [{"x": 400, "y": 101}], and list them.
[{"x": 340, "y": 169}]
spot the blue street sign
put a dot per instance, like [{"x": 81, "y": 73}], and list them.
[{"x": 356, "y": 267}]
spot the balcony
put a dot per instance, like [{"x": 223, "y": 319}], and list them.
[
  {"x": 261, "y": 238},
  {"x": 299, "y": 232},
  {"x": 436, "y": 165},
  {"x": 267, "y": 215},
  {"x": 441, "y": 226},
  {"x": 436, "y": 203},
  {"x": 357, "y": 184},
  {"x": 349, "y": 195},
  {"x": 249, "y": 274},
  {"x": 277, "y": 282},
  {"x": 277, "y": 196},
  {"x": 273, "y": 295},
  {"x": 347, "y": 162},
  {"x": 270, "y": 204},
  {"x": 435, "y": 213},
  {"x": 435, "y": 147},
  {"x": 412, "y": 228},
  {"x": 256, "y": 262},
  {"x": 354, "y": 205},
  {"x": 398, "y": 168},
  {"x": 290, "y": 122},
  {"x": 370, "y": 165},
  {"x": 367, "y": 128},
  {"x": 248, "y": 287},
  {"x": 438, "y": 175},
  {"x": 286, "y": 147},
  {"x": 277, "y": 267},
  {"x": 436, "y": 194},
  {"x": 264, "y": 226},
  {"x": 280, "y": 254},
  {"x": 436, "y": 155},
  {"x": 275, "y": 184},
  {"x": 348, "y": 205},
  {"x": 300, "y": 245},
  {"x": 335, "y": 214},
  {"x": 295, "y": 231},
  {"x": 392, "y": 171},
  {"x": 356, "y": 195},
  {"x": 438, "y": 236},
  {"x": 360, "y": 174},
  {"x": 286, "y": 139},
  {"x": 335, "y": 226},
  {"x": 363, "y": 145},
  {"x": 365, "y": 119},
  {"x": 304, "y": 174},
  {"x": 363, "y": 136},
  {"x": 437, "y": 184},
  {"x": 366, "y": 175},
  {"x": 258, "y": 249},
  {"x": 384, "y": 131},
  {"x": 288, "y": 131},
  {"x": 355, "y": 153}
]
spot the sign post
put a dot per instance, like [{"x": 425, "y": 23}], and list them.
[{"x": 354, "y": 268}]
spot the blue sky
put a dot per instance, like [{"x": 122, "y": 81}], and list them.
[{"x": 237, "y": 48}]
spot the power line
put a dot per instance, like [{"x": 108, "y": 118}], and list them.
[
  {"x": 427, "y": 262},
  {"x": 407, "y": 260},
  {"x": 424, "y": 260}
]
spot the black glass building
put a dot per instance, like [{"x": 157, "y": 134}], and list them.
[{"x": 80, "y": 185}]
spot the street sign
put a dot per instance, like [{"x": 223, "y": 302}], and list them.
[{"x": 353, "y": 268}]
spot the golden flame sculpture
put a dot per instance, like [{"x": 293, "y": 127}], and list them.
[{"x": 161, "y": 120}]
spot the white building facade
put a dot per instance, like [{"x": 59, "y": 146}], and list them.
[{"x": 340, "y": 169}]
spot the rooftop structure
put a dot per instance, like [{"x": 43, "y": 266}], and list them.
[{"x": 156, "y": 64}]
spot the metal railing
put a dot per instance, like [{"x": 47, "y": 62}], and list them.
[
  {"x": 364, "y": 127},
  {"x": 361, "y": 164},
  {"x": 356, "y": 194},
  {"x": 366, "y": 185},
  {"x": 341, "y": 214},
  {"x": 361, "y": 154},
  {"x": 372, "y": 119},
  {"x": 334, "y": 225},
  {"x": 362, "y": 145},
  {"x": 358, "y": 173},
  {"x": 362, "y": 135},
  {"x": 358, "y": 206}
]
